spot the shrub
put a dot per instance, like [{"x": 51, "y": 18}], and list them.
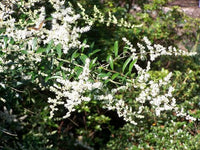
[{"x": 57, "y": 87}]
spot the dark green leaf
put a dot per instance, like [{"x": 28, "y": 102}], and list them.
[
  {"x": 83, "y": 57},
  {"x": 126, "y": 63},
  {"x": 92, "y": 45},
  {"x": 131, "y": 65},
  {"x": 93, "y": 52},
  {"x": 78, "y": 70},
  {"x": 75, "y": 55},
  {"x": 93, "y": 63}
]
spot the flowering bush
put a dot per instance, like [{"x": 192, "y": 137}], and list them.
[{"x": 43, "y": 57}]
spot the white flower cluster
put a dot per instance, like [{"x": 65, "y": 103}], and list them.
[
  {"x": 100, "y": 17},
  {"x": 28, "y": 38},
  {"x": 182, "y": 113},
  {"x": 71, "y": 93},
  {"x": 64, "y": 30},
  {"x": 28, "y": 3},
  {"x": 150, "y": 93},
  {"x": 5, "y": 12},
  {"x": 63, "y": 27},
  {"x": 157, "y": 94},
  {"x": 154, "y": 51},
  {"x": 123, "y": 110}
]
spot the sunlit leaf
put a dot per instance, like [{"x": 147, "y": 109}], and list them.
[
  {"x": 59, "y": 50},
  {"x": 126, "y": 63},
  {"x": 116, "y": 48},
  {"x": 49, "y": 46},
  {"x": 83, "y": 57},
  {"x": 110, "y": 61},
  {"x": 114, "y": 76},
  {"x": 41, "y": 50},
  {"x": 131, "y": 65}
]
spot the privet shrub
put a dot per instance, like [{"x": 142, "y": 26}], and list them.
[{"x": 50, "y": 75}]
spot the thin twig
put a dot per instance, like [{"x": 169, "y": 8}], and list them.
[
  {"x": 16, "y": 89},
  {"x": 73, "y": 122},
  {"x": 6, "y": 132}
]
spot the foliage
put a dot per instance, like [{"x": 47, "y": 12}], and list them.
[{"x": 81, "y": 75}]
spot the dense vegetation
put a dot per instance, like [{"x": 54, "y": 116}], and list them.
[{"x": 102, "y": 74}]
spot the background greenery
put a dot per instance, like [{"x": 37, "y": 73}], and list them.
[{"x": 25, "y": 123}]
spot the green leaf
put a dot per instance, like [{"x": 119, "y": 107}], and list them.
[
  {"x": 92, "y": 45},
  {"x": 94, "y": 60},
  {"x": 126, "y": 63},
  {"x": 11, "y": 41},
  {"x": 41, "y": 50},
  {"x": 35, "y": 43},
  {"x": 64, "y": 75},
  {"x": 114, "y": 76},
  {"x": 52, "y": 64},
  {"x": 131, "y": 65},
  {"x": 93, "y": 52},
  {"x": 5, "y": 41},
  {"x": 78, "y": 70},
  {"x": 49, "y": 18},
  {"x": 103, "y": 75},
  {"x": 75, "y": 55},
  {"x": 49, "y": 46},
  {"x": 116, "y": 48},
  {"x": 110, "y": 61},
  {"x": 93, "y": 63},
  {"x": 24, "y": 51},
  {"x": 55, "y": 77},
  {"x": 59, "y": 49},
  {"x": 83, "y": 57},
  {"x": 46, "y": 79},
  {"x": 83, "y": 48}
]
